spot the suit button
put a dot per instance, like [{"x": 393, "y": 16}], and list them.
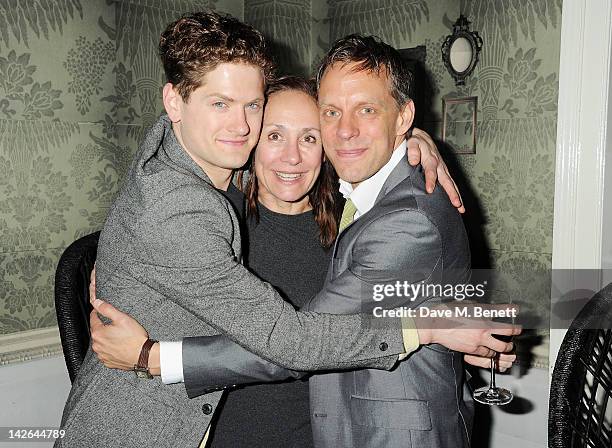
[
  {"x": 383, "y": 346},
  {"x": 207, "y": 409}
]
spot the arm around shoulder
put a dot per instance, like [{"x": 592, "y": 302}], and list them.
[{"x": 216, "y": 362}]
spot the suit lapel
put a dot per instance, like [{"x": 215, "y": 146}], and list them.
[{"x": 402, "y": 171}]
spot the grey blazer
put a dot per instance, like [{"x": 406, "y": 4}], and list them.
[
  {"x": 424, "y": 402},
  {"x": 169, "y": 256}
]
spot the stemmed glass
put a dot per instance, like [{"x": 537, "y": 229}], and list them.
[{"x": 492, "y": 395}]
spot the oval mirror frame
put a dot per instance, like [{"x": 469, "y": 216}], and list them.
[{"x": 471, "y": 39}]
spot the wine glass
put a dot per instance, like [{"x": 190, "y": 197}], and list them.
[{"x": 492, "y": 395}]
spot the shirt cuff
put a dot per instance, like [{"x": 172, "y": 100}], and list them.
[
  {"x": 410, "y": 335},
  {"x": 171, "y": 362}
]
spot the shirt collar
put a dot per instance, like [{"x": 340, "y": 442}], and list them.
[{"x": 367, "y": 191}]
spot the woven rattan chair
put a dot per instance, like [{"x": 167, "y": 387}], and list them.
[
  {"x": 580, "y": 412},
  {"x": 72, "y": 299}
]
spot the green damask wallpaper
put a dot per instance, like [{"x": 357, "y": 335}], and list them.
[
  {"x": 287, "y": 25},
  {"x": 79, "y": 82}
]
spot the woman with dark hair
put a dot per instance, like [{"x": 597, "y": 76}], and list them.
[{"x": 291, "y": 220}]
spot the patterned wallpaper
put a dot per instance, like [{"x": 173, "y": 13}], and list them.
[
  {"x": 287, "y": 25},
  {"x": 79, "y": 82}
]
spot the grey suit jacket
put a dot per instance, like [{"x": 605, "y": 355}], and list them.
[
  {"x": 169, "y": 256},
  {"x": 424, "y": 402}
]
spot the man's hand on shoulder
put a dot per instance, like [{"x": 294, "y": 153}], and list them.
[{"x": 423, "y": 150}]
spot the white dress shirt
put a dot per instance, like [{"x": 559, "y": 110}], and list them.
[{"x": 365, "y": 194}]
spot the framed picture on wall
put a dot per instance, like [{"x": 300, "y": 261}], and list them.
[{"x": 459, "y": 123}]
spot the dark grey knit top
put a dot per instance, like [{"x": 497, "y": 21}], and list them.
[{"x": 285, "y": 251}]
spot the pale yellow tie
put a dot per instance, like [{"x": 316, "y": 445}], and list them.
[{"x": 348, "y": 213}]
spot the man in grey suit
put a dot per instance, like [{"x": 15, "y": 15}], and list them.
[
  {"x": 404, "y": 234},
  {"x": 169, "y": 253},
  {"x": 397, "y": 232}
]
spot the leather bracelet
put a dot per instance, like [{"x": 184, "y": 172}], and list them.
[{"x": 142, "y": 367}]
